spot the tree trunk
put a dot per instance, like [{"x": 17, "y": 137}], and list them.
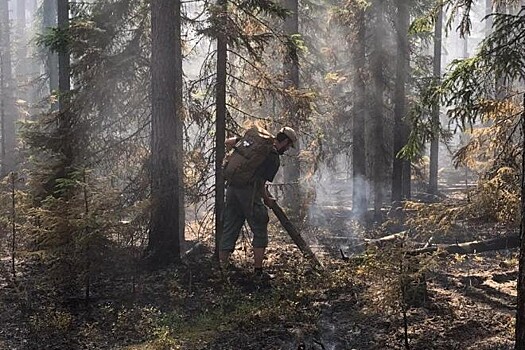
[
  {"x": 520, "y": 313},
  {"x": 220, "y": 124},
  {"x": 65, "y": 118},
  {"x": 64, "y": 83},
  {"x": 50, "y": 21},
  {"x": 400, "y": 100},
  {"x": 434, "y": 144},
  {"x": 291, "y": 167},
  {"x": 377, "y": 108},
  {"x": 21, "y": 51},
  {"x": 359, "y": 183},
  {"x": 33, "y": 64},
  {"x": 7, "y": 100},
  {"x": 407, "y": 171},
  {"x": 179, "y": 125},
  {"x": 166, "y": 74}
]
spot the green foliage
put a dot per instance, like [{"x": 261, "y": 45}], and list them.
[
  {"x": 502, "y": 51},
  {"x": 470, "y": 84},
  {"x": 56, "y": 39},
  {"x": 422, "y": 25}
]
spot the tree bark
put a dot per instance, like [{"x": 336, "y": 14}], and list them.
[
  {"x": 50, "y": 21},
  {"x": 179, "y": 125},
  {"x": 7, "y": 96},
  {"x": 359, "y": 183},
  {"x": 434, "y": 144},
  {"x": 377, "y": 63},
  {"x": 220, "y": 123},
  {"x": 402, "y": 59},
  {"x": 164, "y": 237}
]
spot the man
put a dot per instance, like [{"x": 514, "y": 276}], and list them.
[{"x": 245, "y": 203}]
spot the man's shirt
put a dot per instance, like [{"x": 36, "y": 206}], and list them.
[{"x": 269, "y": 167}]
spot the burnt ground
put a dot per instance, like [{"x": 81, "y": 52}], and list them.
[{"x": 469, "y": 301}]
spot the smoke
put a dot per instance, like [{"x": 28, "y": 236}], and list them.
[{"x": 332, "y": 208}]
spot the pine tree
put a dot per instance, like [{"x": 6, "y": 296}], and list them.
[{"x": 166, "y": 81}]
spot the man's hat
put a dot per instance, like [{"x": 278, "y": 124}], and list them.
[{"x": 291, "y": 134}]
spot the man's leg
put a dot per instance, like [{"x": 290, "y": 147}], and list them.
[
  {"x": 258, "y": 256},
  {"x": 259, "y": 225},
  {"x": 233, "y": 221}
]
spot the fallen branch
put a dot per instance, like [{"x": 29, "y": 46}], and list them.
[
  {"x": 379, "y": 242},
  {"x": 295, "y": 235}
]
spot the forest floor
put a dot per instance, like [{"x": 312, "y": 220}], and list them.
[{"x": 469, "y": 301}]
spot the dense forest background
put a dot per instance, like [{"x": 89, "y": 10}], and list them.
[{"x": 407, "y": 182}]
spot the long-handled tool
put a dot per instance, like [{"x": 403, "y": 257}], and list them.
[{"x": 294, "y": 233}]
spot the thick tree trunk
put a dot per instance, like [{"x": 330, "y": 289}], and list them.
[
  {"x": 377, "y": 65},
  {"x": 291, "y": 167},
  {"x": 164, "y": 236},
  {"x": 179, "y": 125},
  {"x": 7, "y": 96},
  {"x": 220, "y": 124},
  {"x": 400, "y": 99},
  {"x": 359, "y": 183},
  {"x": 434, "y": 144}
]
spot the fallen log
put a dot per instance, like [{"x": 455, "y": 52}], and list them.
[
  {"x": 295, "y": 235},
  {"x": 473, "y": 247},
  {"x": 507, "y": 242}
]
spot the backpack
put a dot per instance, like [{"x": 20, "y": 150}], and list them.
[{"x": 247, "y": 155}]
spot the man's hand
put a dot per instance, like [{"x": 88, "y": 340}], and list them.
[{"x": 269, "y": 201}]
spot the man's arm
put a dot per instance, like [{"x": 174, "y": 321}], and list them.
[
  {"x": 266, "y": 195},
  {"x": 230, "y": 142}
]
